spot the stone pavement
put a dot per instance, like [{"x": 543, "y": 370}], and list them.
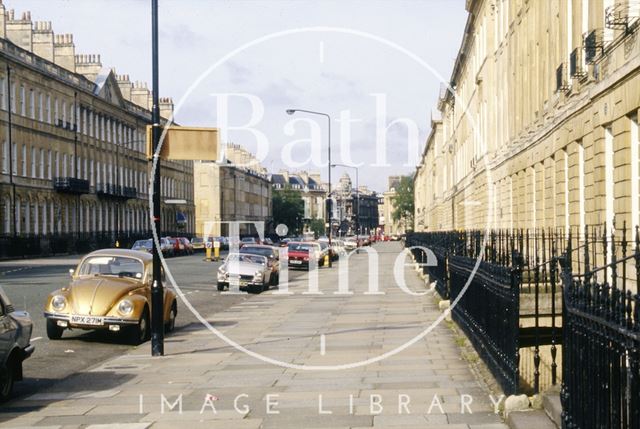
[{"x": 216, "y": 386}]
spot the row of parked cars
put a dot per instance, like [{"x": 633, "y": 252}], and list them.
[
  {"x": 170, "y": 246},
  {"x": 256, "y": 266}
]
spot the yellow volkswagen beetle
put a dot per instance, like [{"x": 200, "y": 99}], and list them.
[{"x": 110, "y": 289}]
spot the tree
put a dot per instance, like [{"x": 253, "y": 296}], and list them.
[
  {"x": 403, "y": 203},
  {"x": 288, "y": 208},
  {"x": 317, "y": 226}
]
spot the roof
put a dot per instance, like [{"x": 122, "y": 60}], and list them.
[
  {"x": 295, "y": 180},
  {"x": 278, "y": 179},
  {"x": 146, "y": 257}
]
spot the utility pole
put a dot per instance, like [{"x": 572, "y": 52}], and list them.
[{"x": 157, "y": 291}]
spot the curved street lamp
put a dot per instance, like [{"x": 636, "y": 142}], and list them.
[{"x": 326, "y": 115}]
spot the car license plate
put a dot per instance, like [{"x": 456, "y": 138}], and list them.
[
  {"x": 295, "y": 261},
  {"x": 87, "y": 320}
]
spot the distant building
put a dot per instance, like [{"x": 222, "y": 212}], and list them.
[
  {"x": 312, "y": 190},
  {"x": 391, "y": 227},
  {"x": 226, "y": 191},
  {"x": 354, "y": 212},
  {"x": 73, "y": 145}
]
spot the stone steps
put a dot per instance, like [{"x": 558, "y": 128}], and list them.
[{"x": 549, "y": 417}]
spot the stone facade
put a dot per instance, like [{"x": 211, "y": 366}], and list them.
[
  {"x": 543, "y": 128},
  {"x": 72, "y": 134},
  {"x": 227, "y": 192},
  {"x": 312, "y": 190},
  {"x": 354, "y": 212}
]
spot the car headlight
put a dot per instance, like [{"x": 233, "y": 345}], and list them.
[
  {"x": 125, "y": 307},
  {"x": 258, "y": 276},
  {"x": 59, "y": 302}
]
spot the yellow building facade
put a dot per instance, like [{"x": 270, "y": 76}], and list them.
[
  {"x": 72, "y": 138},
  {"x": 538, "y": 127}
]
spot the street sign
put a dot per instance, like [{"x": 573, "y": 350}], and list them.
[
  {"x": 187, "y": 143},
  {"x": 208, "y": 245},
  {"x": 282, "y": 230},
  {"x": 216, "y": 244}
]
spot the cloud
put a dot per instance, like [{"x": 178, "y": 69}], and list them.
[{"x": 238, "y": 74}]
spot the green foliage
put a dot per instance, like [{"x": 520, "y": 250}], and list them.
[
  {"x": 317, "y": 226},
  {"x": 403, "y": 203},
  {"x": 288, "y": 208}
]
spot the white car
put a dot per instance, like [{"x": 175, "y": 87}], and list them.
[
  {"x": 350, "y": 243},
  {"x": 252, "y": 272}
]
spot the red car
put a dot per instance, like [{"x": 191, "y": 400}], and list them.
[
  {"x": 301, "y": 252},
  {"x": 178, "y": 247}
]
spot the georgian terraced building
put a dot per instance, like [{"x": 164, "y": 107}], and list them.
[
  {"x": 72, "y": 134},
  {"x": 543, "y": 128}
]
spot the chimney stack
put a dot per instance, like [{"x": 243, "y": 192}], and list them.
[
  {"x": 64, "y": 51},
  {"x": 43, "y": 45},
  {"x": 18, "y": 31},
  {"x": 88, "y": 65}
]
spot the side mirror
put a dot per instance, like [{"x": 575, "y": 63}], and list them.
[{"x": 71, "y": 272}]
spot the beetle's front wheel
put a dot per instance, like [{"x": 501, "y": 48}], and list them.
[
  {"x": 54, "y": 332},
  {"x": 140, "y": 333}
]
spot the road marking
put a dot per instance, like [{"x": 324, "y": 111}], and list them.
[
  {"x": 322, "y": 52},
  {"x": 322, "y": 345},
  {"x": 36, "y": 339}
]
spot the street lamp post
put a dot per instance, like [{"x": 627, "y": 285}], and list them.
[
  {"x": 357, "y": 209},
  {"x": 291, "y": 112},
  {"x": 157, "y": 292}
]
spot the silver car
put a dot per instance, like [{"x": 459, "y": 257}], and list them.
[
  {"x": 15, "y": 347},
  {"x": 252, "y": 272}
]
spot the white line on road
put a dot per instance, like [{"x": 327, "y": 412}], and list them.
[
  {"x": 322, "y": 345},
  {"x": 36, "y": 339}
]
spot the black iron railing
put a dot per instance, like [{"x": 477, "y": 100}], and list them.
[
  {"x": 601, "y": 353},
  {"x": 111, "y": 190},
  {"x": 511, "y": 307},
  {"x": 71, "y": 185}
]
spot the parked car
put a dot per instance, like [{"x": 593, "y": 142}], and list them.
[
  {"x": 284, "y": 242},
  {"x": 186, "y": 244},
  {"x": 15, "y": 344},
  {"x": 197, "y": 243},
  {"x": 350, "y": 243},
  {"x": 301, "y": 252},
  {"x": 178, "y": 246},
  {"x": 252, "y": 272},
  {"x": 273, "y": 258},
  {"x": 224, "y": 242},
  {"x": 325, "y": 250},
  {"x": 248, "y": 240},
  {"x": 364, "y": 240},
  {"x": 336, "y": 247},
  {"x": 143, "y": 245},
  {"x": 109, "y": 290}
]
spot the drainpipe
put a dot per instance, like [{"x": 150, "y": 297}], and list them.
[{"x": 13, "y": 185}]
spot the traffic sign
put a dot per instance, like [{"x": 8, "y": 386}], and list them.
[{"x": 208, "y": 245}]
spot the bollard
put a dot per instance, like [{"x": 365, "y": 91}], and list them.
[
  {"x": 208, "y": 254},
  {"x": 216, "y": 253},
  {"x": 326, "y": 260}
]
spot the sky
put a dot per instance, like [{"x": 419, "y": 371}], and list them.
[{"x": 374, "y": 66}]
